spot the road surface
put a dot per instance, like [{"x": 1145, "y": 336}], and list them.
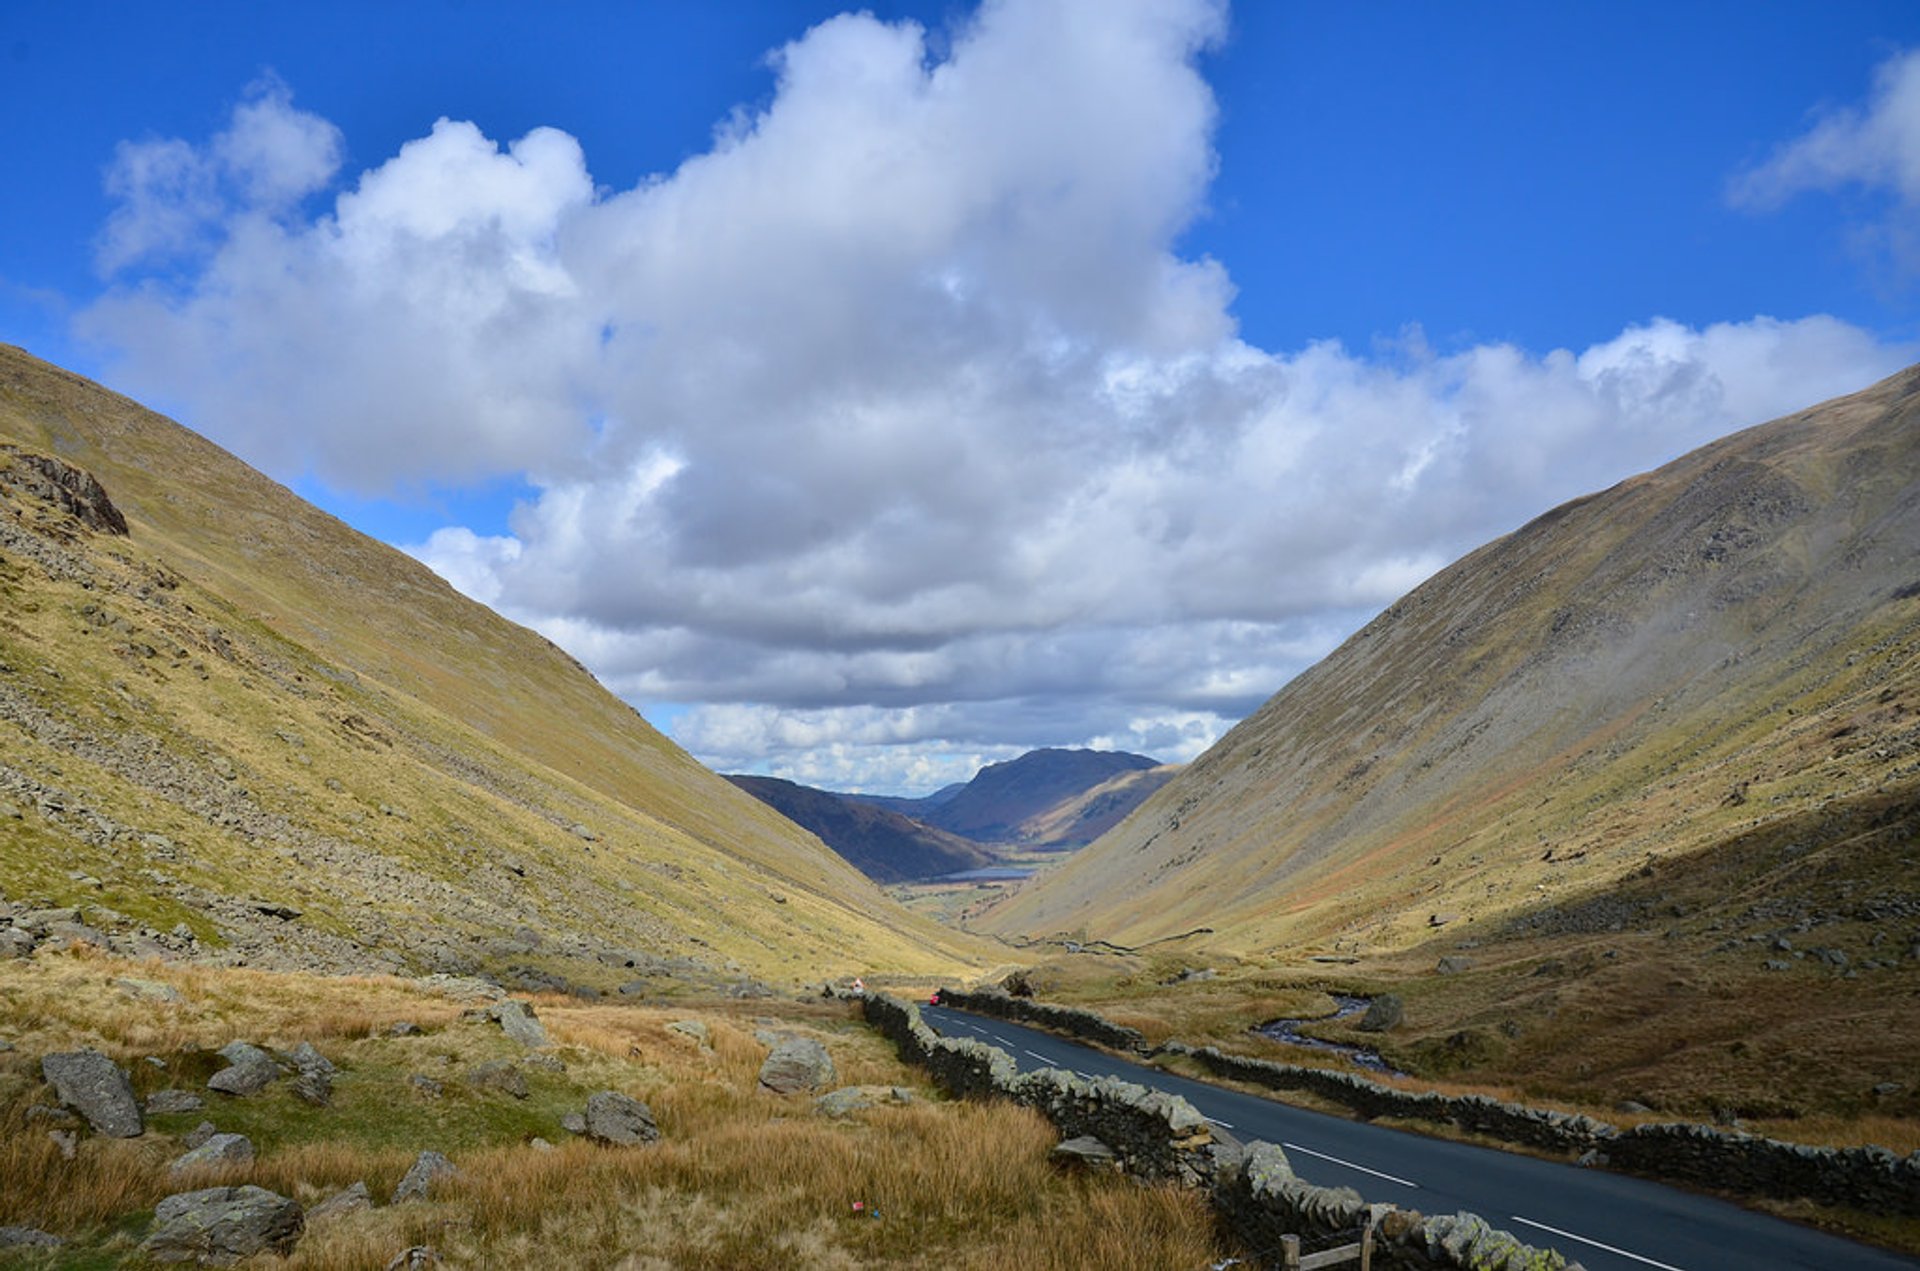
[{"x": 1607, "y": 1222}]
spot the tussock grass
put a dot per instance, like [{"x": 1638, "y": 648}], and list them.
[{"x": 741, "y": 1178}]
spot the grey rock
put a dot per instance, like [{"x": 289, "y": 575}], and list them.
[
  {"x": 696, "y": 1029},
  {"x": 39, "y": 921},
  {"x": 28, "y": 1238},
  {"x": 539, "y": 1144},
  {"x": 1775, "y": 964},
  {"x": 346, "y": 1201},
  {"x": 1453, "y": 965},
  {"x": 199, "y": 1134},
  {"x": 499, "y": 1074},
  {"x": 66, "y": 1140},
  {"x": 545, "y": 1063},
  {"x": 219, "y": 1149},
  {"x": 1085, "y": 1152},
  {"x": 41, "y": 1112},
  {"x": 245, "y": 1078},
  {"x": 574, "y": 1123},
  {"x": 148, "y": 990},
  {"x": 218, "y": 1226},
  {"x": 426, "y": 1085},
  {"x": 1631, "y": 1106},
  {"x": 618, "y": 1119},
  {"x": 308, "y": 1059},
  {"x": 414, "y": 1258},
  {"x": 164, "y": 1102},
  {"x": 66, "y": 935},
  {"x": 850, "y": 1099},
  {"x": 239, "y": 1052},
  {"x": 426, "y": 1168},
  {"x": 313, "y": 1086},
  {"x": 1383, "y": 1013},
  {"x": 798, "y": 1065},
  {"x": 1887, "y": 1088},
  {"x": 16, "y": 942},
  {"x": 404, "y": 1028},
  {"x": 97, "y": 1088},
  {"x": 517, "y": 1020}
]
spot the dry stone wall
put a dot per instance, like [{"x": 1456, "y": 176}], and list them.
[
  {"x": 1162, "y": 1137},
  {"x": 1065, "y": 1020}
]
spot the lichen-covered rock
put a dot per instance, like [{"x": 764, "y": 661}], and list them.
[
  {"x": 314, "y": 1086},
  {"x": 850, "y": 1099},
  {"x": 218, "y": 1226},
  {"x": 693, "y": 1028},
  {"x": 499, "y": 1074},
  {"x": 164, "y": 1102},
  {"x": 28, "y": 1238},
  {"x": 98, "y": 1089},
  {"x": 249, "y": 1076},
  {"x": 517, "y": 1020},
  {"x": 615, "y": 1118},
  {"x": 427, "y": 1167},
  {"x": 217, "y": 1150},
  {"x": 346, "y": 1201},
  {"x": 798, "y": 1065}
]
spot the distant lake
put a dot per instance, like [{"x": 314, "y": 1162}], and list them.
[{"x": 990, "y": 874}]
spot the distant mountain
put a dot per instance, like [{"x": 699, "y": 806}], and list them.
[
  {"x": 1040, "y": 799},
  {"x": 881, "y": 843},
  {"x": 233, "y": 728}
]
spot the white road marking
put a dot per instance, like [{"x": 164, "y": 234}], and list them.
[
  {"x": 1665, "y": 1266},
  {"x": 1295, "y": 1147},
  {"x": 1225, "y": 1125},
  {"x": 1037, "y": 1055}
]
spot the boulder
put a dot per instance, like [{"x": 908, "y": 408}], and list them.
[
  {"x": 164, "y": 1102},
  {"x": 574, "y": 1123},
  {"x": 308, "y": 1059},
  {"x": 199, "y": 1134},
  {"x": 250, "y": 1076},
  {"x": 615, "y": 1118},
  {"x": 313, "y": 1086},
  {"x": 798, "y": 1065},
  {"x": 696, "y": 1029},
  {"x": 1453, "y": 965},
  {"x": 16, "y": 943},
  {"x": 1383, "y": 1013},
  {"x": 28, "y": 1238},
  {"x": 426, "y": 1167},
  {"x": 517, "y": 1020},
  {"x": 850, "y": 1099},
  {"x": 219, "y": 1149},
  {"x": 98, "y": 1089},
  {"x": 346, "y": 1201},
  {"x": 239, "y": 1052},
  {"x": 218, "y": 1226},
  {"x": 501, "y": 1075},
  {"x": 148, "y": 990}
]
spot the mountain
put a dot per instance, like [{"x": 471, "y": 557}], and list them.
[
  {"x": 884, "y": 845},
  {"x": 1688, "y": 703},
  {"x": 233, "y": 727},
  {"x": 1033, "y": 801}
]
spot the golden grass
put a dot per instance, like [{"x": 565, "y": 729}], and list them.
[{"x": 740, "y": 1179}]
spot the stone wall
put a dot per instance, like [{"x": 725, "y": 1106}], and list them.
[
  {"x": 1509, "y": 1122},
  {"x": 1065, "y": 1020},
  {"x": 1870, "y": 1178},
  {"x": 1162, "y": 1137}
]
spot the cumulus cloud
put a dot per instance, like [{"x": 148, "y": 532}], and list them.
[
  {"x": 1875, "y": 147},
  {"x": 892, "y": 433}
]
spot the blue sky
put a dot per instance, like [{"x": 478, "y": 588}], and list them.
[{"x": 957, "y": 381}]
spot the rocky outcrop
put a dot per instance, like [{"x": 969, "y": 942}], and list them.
[
  {"x": 73, "y": 490},
  {"x": 98, "y": 1089},
  {"x": 218, "y": 1226}
]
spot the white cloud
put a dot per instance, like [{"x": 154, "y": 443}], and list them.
[
  {"x": 892, "y": 432},
  {"x": 1876, "y": 148}
]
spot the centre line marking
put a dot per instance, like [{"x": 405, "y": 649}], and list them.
[
  {"x": 1037, "y": 1055},
  {"x": 1295, "y": 1147},
  {"x": 1665, "y": 1266},
  {"x": 1225, "y": 1125}
]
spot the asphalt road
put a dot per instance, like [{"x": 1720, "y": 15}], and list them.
[{"x": 1607, "y": 1222}]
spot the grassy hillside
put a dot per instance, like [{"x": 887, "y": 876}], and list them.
[
  {"x": 1646, "y": 772},
  {"x": 244, "y": 709}
]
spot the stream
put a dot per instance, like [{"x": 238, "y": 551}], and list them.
[{"x": 1287, "y": 1032}]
